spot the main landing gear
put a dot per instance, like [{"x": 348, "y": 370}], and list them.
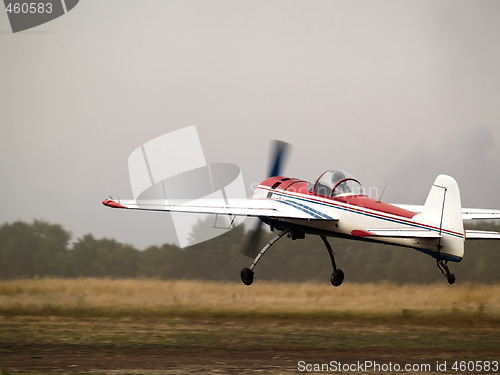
[
  {"x": 247, "y": 273},
  {"x": 338, "y": 274},
  {"x": 443, "y": 267}
]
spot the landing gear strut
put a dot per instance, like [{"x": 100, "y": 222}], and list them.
[
  {"x": 247, "y": 273},
  {"x": 443, "y": 267},
  {"x": 338, "y": 274}
]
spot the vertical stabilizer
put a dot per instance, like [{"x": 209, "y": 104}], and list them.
[{"x": 443, "y": 211}]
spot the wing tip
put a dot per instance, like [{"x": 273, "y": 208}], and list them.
[{"x": 112, "y": 203}]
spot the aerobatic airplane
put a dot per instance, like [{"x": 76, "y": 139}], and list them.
[{"x": 335, "y": 205}]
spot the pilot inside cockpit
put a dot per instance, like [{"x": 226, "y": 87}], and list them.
[{"x": 335, "y": 183}]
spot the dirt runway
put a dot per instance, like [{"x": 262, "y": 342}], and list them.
[{"x": 48, "y": 359}]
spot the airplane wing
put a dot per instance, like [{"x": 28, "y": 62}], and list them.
[
  {"x": 397, "y": 233},
  {"x": 272, "y": 208},
  {"x": 467, "y": 213}
]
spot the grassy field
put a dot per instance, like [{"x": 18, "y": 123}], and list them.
[
  {"x": 149, "y": 298},
  {"x": 121, "y": 326}
]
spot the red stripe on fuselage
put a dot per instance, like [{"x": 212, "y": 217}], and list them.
[{"x": 372, "y": 204}]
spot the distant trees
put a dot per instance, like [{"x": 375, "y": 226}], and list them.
[
  {"x": 43, "y": 249},
  {"x": 26, "y": 250},
  {"x": 101, "y": 258}
]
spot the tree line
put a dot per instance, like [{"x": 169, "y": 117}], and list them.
[{"x": 42, "y": 249}]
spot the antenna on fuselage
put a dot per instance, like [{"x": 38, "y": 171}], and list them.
[{"x": 383, "y": 190}]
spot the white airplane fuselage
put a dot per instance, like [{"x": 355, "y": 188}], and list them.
[{"x": 352, "y": 216}]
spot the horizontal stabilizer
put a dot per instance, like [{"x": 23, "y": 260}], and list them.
[
  {"x": 481, "y": 235},
  {"x": 480, "y": 214}
]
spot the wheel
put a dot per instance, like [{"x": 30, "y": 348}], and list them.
[
  {"x": 450, "y": 278},
  {"x": 247, "y": 276},
  {"x": 337, "y": 277}
]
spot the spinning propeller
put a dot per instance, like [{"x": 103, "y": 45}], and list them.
[{"x": 279, "y": 154}]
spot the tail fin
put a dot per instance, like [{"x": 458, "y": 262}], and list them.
[{"x": 443, "y": 211}]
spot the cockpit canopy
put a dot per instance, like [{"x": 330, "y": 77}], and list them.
[{"x": 334, "y": 183}]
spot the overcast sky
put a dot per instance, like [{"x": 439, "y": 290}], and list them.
[{"x": 391, "y": 91}]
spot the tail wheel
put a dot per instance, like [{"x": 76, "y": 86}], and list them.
[{"x": 443, "y": 267}]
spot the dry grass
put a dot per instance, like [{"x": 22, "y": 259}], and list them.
[
  {"x": 115, "y": 326},
  {"x": 108, "y": 297}
]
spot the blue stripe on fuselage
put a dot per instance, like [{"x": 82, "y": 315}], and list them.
[
  {"x": 289, "y": 199},
  {"x": 308, "y": 210}
]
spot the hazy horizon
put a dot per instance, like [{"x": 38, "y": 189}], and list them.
[{"x": 393, "y": 92}]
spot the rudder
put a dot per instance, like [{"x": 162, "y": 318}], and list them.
[{"x": 443, "y": 211}]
